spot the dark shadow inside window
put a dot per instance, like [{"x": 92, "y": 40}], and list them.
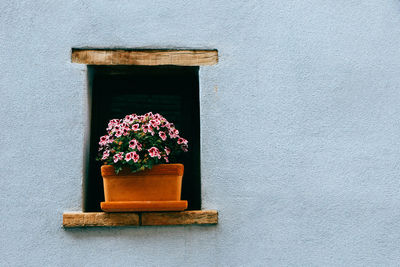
[{"x": 172, "y": 91}]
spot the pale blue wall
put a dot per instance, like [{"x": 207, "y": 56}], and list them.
[{"x": 300, "y": 131}]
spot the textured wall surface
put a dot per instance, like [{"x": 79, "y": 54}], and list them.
[{"x": 300, "y": 131}]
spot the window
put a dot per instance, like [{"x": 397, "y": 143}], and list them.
[
  {"x": 172, "y": 91},
  {"x": 123, "y": 81}
]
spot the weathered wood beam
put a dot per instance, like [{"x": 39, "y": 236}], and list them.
[
  {"x": 89, "y": 219},
  {"x": 180, "y": 218},
  {"x": 146, "y": 57},
  {"x": 84, "y": 219}
]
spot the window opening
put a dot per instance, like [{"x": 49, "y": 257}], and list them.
[{"x": 172, "y": 91}]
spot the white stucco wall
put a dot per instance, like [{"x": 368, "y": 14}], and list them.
[{"x": 299, "y": 120}]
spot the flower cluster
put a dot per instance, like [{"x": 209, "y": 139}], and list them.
[{"x": 140, "y": 141}]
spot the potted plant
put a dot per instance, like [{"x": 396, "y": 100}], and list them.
[{"x": 138, "y": 153}]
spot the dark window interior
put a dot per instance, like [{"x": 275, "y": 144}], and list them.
[{"x": 171, "y": 91}]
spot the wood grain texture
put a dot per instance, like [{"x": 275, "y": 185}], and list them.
[
  {"x": 84, "y": 219},
  {"x": 150, "y": 57},
  {"x": 91, "y": 219},
  {"x": 180, "y": 218}
]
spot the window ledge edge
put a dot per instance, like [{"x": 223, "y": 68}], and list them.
[{"x": 101, "y": 219}]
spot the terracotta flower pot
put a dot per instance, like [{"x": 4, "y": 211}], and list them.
[{"x": 150, "y": 190}]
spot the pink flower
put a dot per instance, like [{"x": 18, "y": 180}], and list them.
[
  {"x": 118, "y": 133},
  {"x": 106, "y": 153},
  {"x": 162, "y": 135},
  {"x": 147, "y": 128},
  {"x": 133, "y": 143},
  {"x": 155, "y": 123},
  {"x": 132, "y": 155},
  {"x": 158, "y": 116},
  {"x": 135, "y": 127},
  {"x": 167, "y": 150},
  {"x": 182, "y": 141},
  {"x": 154, "y": 152},
  {"x": 128, "y": 156},
  {"x": 166, "y": 159},
  {"x": 118, "y": 157},
  {"x": 103, "y": 140},
  {"x": 125, "y": 132},
  {"x": 139, "y": 147},
  {"x": 130, "y": 118},
  {"x": 168, "y": 125},
  {"x": 111, "y": 124},
  {"x": 173, "y": 133},
  {"x": 184, "y": 148},
  {"x": 135, "y": 157}
]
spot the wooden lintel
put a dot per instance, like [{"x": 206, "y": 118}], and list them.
[
  {"x": 144, "y": 57},
  {"x": 91, "y": 219}
]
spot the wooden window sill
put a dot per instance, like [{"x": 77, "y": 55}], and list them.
[{"x": 98, "y": 219}]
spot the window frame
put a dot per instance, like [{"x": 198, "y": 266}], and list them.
[{"x": 141, "y": 57}]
